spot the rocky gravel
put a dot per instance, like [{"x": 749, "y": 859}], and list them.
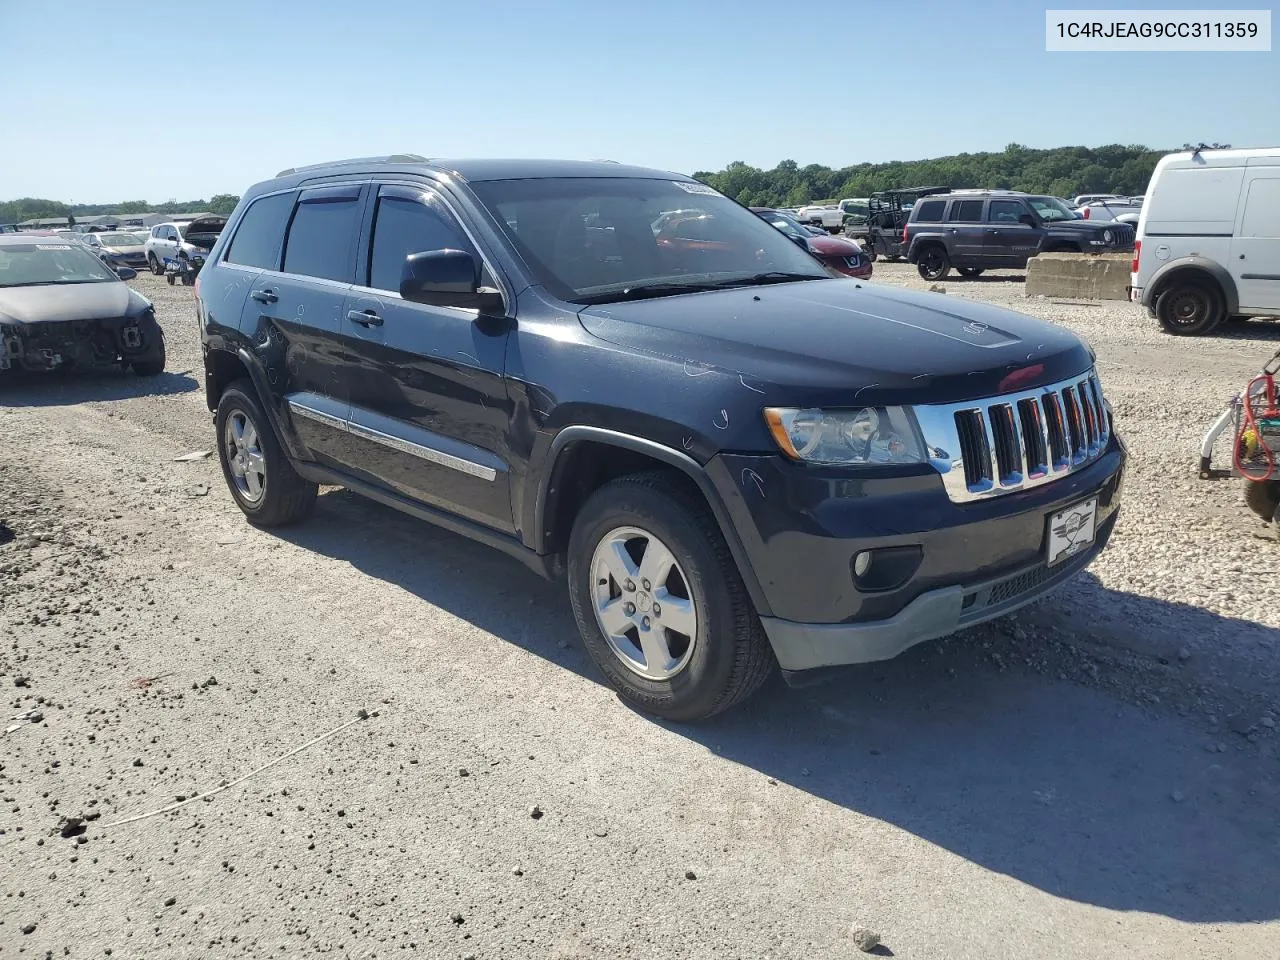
[{"x": 368, "y": 738}]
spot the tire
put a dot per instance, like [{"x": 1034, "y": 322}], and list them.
[
  {"x": 933, "y": 263},
  {"x": 155, "y": 265},
  {"x": 724, "y": 659},
  {"x": 152, "y": 365},
  {"x": 1190, "y": 309},
  {"x": 267, "y": 490},
  {"x": 1262, "y": 497},
  {"x": 970, "y": 272}
]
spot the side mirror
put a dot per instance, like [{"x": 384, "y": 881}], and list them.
[
  {"x": 1029, "y": 219},
  {"x": 447, "y": 278},
  {"x": 801, "y": 242},
  {"x": 126, "y": 273}
]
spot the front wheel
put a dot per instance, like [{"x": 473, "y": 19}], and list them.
[
  {"x": 659, "y": 602},
  {"x": 257, "y": 470},
  {"x": 970, "y": 272},
  {"x": 153, "y": 364},
  {"x": 934, "y": 264},
  {"x": 154, "y": 265},
  {"x": 1190, "y": 309}
]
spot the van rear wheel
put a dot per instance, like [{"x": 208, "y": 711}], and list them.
[{"x": 1190, "y": 309}]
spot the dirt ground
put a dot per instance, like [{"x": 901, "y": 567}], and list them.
[{"x": 1095, "y": 777}]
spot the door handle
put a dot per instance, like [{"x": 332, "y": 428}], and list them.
[
  {"x": 264, "y": 296},
  {"x": 366, "y": 318}
]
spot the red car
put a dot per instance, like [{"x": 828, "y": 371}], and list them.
[{"x": 837, "y": 254}]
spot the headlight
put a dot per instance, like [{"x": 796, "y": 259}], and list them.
[
  {"x": 869, "y": 435},
  {"x": 1108, "y": 236}
]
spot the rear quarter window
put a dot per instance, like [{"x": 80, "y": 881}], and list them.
[
  {"x": 930, "y": 211},
  {"x": 257, "y": 240}
]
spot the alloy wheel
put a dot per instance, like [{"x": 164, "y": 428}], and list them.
[
  {"x": 244, "y": 456},
  {"x": 643, "y": 604}
]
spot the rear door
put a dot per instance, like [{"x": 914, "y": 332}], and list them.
[
  {"x": 429, "y": 412},
  {"x": 964, "y": 231},
  {"x": 1255, "y": 250},
  {"x": 1007, "y": 241},
  {"x": 296, "y": 311}
]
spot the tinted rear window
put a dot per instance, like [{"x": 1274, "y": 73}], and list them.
[
  {"x": 257, "y": 240},
  {"x": 321, "y": 240},
  {"x": 931, "y": 210}
]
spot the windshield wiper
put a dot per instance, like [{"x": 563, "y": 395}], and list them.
[
  {"x": 771, "y": 276},
  {"x": 646, "y": 291}
]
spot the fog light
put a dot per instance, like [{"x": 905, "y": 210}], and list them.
[
  {"x": 861, "y": 563},
  {"x": 885, "y": 568}
]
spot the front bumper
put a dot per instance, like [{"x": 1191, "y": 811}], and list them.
[
  {"x": 84, "y": 343},
  {"x": 801, "y": 529}
]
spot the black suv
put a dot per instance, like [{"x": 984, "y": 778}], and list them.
[
  {"x": 976, "y": 230},
  {"x": 733, "y": 458}
]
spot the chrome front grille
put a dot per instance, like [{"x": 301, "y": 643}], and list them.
[{"x": 1004, "y": 444}]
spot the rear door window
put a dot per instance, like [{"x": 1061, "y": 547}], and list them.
[
  {"x": 966, "y": 211},
  {"x": 258, "y": 238},
  {"x": 322, "y": 237}
]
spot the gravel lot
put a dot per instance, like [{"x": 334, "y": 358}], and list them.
[{"x": 1096, "y": 777}]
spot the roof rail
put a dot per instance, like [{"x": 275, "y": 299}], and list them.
[{"x": 393, "y": 158}]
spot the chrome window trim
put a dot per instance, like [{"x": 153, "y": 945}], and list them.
[
  {"x": 942, "y": 436},
  {"x": 437, "y": 457}
]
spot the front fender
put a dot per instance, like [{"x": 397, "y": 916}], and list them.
[{"x": 546, "y": 473}]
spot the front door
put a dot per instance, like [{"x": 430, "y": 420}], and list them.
[
  {"x": 429, "y": 410},
  {"x": 1007, "y": 241},
  {"x": 1255, "y": 250}
]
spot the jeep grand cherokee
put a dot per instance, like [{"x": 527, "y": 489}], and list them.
[{"x": 732, "y": 457}]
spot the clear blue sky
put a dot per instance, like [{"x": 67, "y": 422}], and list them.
[{"x": 183, "y": 100}]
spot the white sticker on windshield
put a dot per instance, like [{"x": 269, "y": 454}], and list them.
[
  {"x": 696, "y": 188},
  {"x": 53, "y": 246}
]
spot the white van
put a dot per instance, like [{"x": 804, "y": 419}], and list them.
[{"x": 1208, "y": 243}]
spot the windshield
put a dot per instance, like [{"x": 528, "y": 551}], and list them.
[
  {"x": 36, "y": 264},
  {"x": 120, "y": 240},
  {"x": 1051, "y": 208},
  {"x": 601, "y": 239}
]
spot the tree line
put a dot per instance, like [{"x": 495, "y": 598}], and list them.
[
  {"x": 35, "y": 208},
  {"x": 1059, "y": 172}
]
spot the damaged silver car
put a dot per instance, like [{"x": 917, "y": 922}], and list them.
[{"x": 61, "y": 306}]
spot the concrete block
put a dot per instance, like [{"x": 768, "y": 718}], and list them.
[{"x": 1080, "y": 276}]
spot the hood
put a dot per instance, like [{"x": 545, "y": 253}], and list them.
[
  {"x": 1078, "y": 226},
  {"x": 123, "y": 247},
  {"x": 827, "y": 341},
  {"x": 204, "y": 225},
  {"x": 70, "y": 301},
  {"x": 833, "y": 247}
]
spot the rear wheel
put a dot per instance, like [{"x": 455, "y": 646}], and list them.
[
  {"x": 257, "y": 470},
  {"x": 970, "y": 272},
  {"x": 659, "y": 602},
  {"x": 1190, "y": 309},
  {"x": 933, "y": 264}
]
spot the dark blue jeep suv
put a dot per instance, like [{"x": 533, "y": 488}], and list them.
[{"x": 733, "y": 457}]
